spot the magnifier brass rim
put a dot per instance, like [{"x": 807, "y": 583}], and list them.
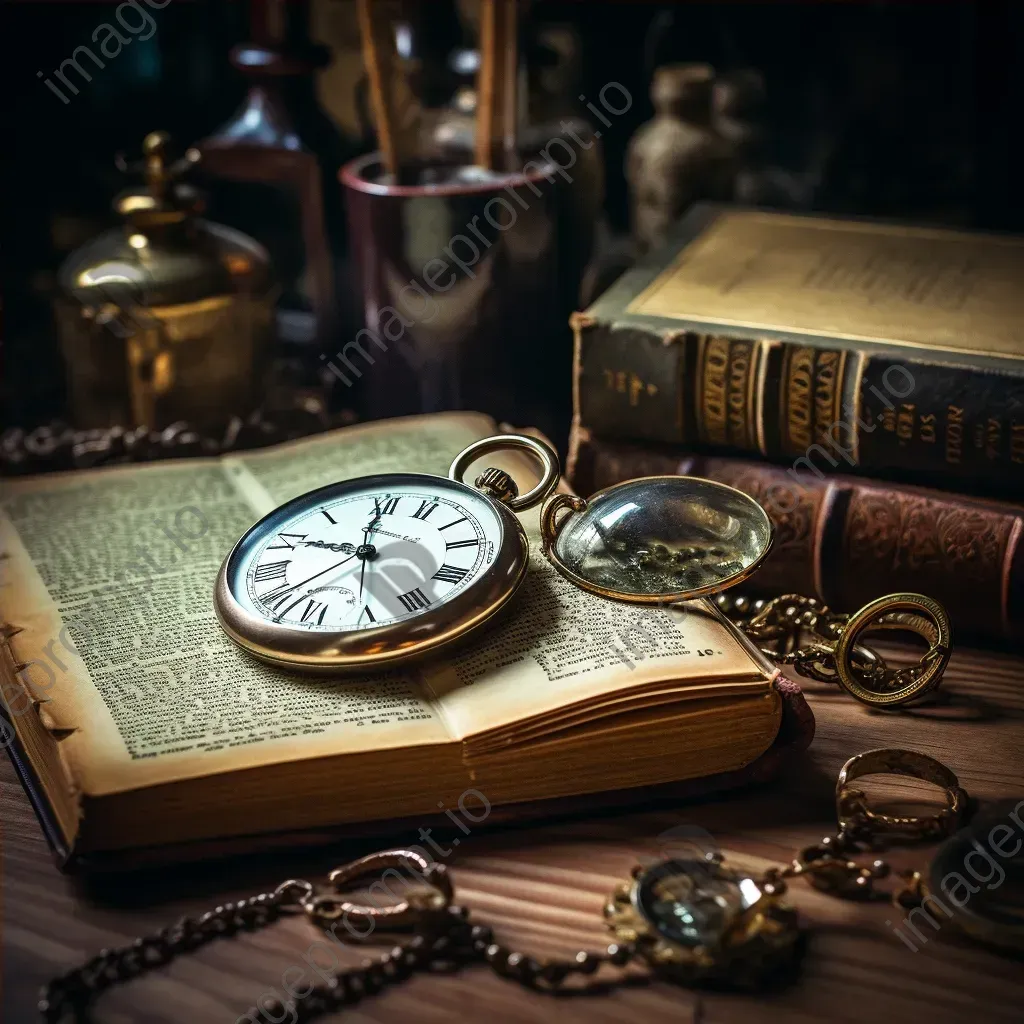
[
  {"x": 934, "y": 660},
  {"x": 551, "y": 530},
  {"x": 538, "y": 449}
]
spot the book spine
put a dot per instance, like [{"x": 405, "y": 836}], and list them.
[
  {"x": 819, "y": 408},
  {"x": 847, "y": 540}
]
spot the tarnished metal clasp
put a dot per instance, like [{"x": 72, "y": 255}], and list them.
[{"x": 432, "y": 896}]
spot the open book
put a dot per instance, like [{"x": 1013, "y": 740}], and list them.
[{"x": 140, "y": 724}]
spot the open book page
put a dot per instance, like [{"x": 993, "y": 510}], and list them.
[
  {"x": 561, "y": 645},
  {"x": 110, "y": 576},
  {"x": 412, "y": 444}
]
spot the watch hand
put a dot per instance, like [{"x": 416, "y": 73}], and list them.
[
  {"x": 366, "y": 534},
  {"x": 295, "y": 586},
  {"x": 362, "y": 571}
]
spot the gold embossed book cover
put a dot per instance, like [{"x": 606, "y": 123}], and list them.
[{"x": 848, "y": 344}]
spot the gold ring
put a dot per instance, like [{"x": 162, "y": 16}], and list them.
[
  {"x": 915, "y": 612},
  {"x": 542, "y": 452},
  {"x": 852, "y": 807}
]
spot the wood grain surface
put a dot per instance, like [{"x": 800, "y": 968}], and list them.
[{"x": 542, "y": 889}]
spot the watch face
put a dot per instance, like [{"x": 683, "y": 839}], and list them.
[
  {"x": 693, "y": 902},
  {"x": 374, "y": 553}
]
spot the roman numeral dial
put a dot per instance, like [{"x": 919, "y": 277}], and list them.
[
  {"x": 414, "y": 600},
  {"x": 309, "y": 609},
  {"x": 287, "y": 541},
  {"x": 472, "y": 543},
  {"x": 450, "y": 574},
  {"x": 426, "y": 507},
  {"x": 368, "y": 555},
  {"x": 271, "y": 571}
]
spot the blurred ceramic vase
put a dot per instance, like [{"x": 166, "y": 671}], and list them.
[
  {"x": 676, "y": 158},
  {"x": 169, "y": 317}
]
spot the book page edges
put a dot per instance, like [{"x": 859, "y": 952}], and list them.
[
  {"x": 702, "y": 738},
  {"x": 34, "y": 747}
]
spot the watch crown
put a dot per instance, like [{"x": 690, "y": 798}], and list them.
[{"x": 497, "y": 484}]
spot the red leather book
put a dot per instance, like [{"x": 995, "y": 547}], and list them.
[{"x": 848, "y": 540}]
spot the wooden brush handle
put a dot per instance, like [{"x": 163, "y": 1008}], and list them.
[
  {"x": 496, "y": 114},
  {"x": 396, "y": 110}
]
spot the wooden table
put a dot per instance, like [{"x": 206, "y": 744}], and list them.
[{"x": 542, "y": 888}]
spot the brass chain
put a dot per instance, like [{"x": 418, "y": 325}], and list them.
[
  {"x": 830, "y": 866},
  {"x": 445, "y": 939},
  {"x": 71, "y": 992},
  {"x": 803, "y": 632},
  {"x": 59, "y": 446}
]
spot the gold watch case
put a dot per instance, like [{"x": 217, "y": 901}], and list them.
[
  {"x": 388, "y": 644},
  {"x": 699, "y": 920}
]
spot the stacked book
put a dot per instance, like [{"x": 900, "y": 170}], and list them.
[{"x": 863, "y": 381}]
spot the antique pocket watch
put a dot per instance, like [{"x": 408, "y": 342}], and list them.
[{"x": 373, "y": 571}]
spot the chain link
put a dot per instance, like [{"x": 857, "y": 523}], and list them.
[
  {"x": 59, "y": 446},
  {"x": 71, "y": 992},
  {"x": 443, "y": 942},
  {"x": 828, "y": 865},
  {"x": 803, "y": 632}
]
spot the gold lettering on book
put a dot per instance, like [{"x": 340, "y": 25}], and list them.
[
  {"x": 1017, "y": 442},
  {"x": 712, "y": 401},
  {"x": 905, "y": 422},
  {"x": 954, "y": 434},
  {"x": 811, "y": 407},
  {"x": 928, "y": 432},
  {"x": 826, "y": 378},
  {"x": 798, "y": 383},
  {"x": 625, "y": 382},
  {"x": 725, "y": 400},
  {"x": 740, "y": 401}
]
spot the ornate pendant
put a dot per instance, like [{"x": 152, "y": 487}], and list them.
[{"x": 698, "y": 920}]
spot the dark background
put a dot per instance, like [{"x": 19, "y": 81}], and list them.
[{"x": 895, "y": 110}]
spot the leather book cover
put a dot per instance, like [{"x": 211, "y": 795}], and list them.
[
  {"x": 847, "y": 540},
  {"x": 846, "y": 345}
]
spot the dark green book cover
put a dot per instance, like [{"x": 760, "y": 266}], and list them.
[{"x": 833, "y": 344}]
